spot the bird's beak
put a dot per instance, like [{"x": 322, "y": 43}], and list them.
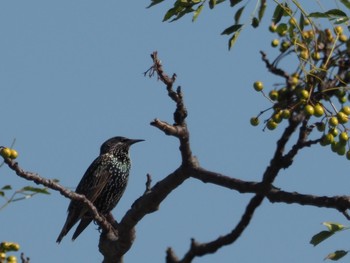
[{"x": 132, "y": 141}]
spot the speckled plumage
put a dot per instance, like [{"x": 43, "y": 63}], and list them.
[{"x": 103, "y": 183}]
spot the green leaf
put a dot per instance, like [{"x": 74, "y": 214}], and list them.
[
  {"x": 6, "y": 187},
  {"x": 301, "y": 22},
  {"x": 346, "y": 3},
  {"x": 212, "y": 4},
  {"x": 335, "y": 12},
  {"x": 341, "y": 20},
  {"x": 317, "y": 15},
  {"x": 2, "y": 193},
  {"x": 234, "y": 2},
  {"x": 281, "y": 28},
  {"x": 186, "y": 3},
  {"x": 238, "y": 14},
  {"x": 233, "y": 39},
  {"x": 277, "y": 14},
  {"x": 171, "y": 12},
  {"x": 182, "y": 13},
  {"x": 336, "y": 255},
  {"x": 262, "y": 9},
  {"x": 320, "y": 237},
  {"x": 331, "y": 14},
  {"x": 287, "y": 11},
  {"x": 231, "y": 29},
  {"x": 197, "y": 12},
  {"x": 155, "y": 2},
  {"x": 35, "y": 190},
  {"x": 255, "y": 22},
  {"x": 334, "y": 227}
]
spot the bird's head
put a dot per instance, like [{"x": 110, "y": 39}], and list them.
[{"x": 117, "y": 143}]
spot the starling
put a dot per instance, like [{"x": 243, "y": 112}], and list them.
[{"x": 103, "y": 184}]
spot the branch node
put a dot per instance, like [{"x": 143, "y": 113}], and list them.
[{"x": 148, "y": 184}]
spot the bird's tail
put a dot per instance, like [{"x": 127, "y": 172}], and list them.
[
  {"x": 72, "y": 219},
  {"x": 64, "y": 232},
  {"x": 84, "y": 222}
]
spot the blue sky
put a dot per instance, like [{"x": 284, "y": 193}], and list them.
[{"x": 71, "y": 76}]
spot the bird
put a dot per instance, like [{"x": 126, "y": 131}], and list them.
[{"x": 103, "y": 183}]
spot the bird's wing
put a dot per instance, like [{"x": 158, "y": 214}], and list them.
[
  {"x": 91, "y": 185},
  {"x": 95, "y": 179}
]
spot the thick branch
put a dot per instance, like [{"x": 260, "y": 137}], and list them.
[{"x": 146, "y": 204}]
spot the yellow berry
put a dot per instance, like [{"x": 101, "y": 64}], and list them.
[
  {"x": 273, "y": 94},
  {"x": 293, "y": 80},
  {"x": 316, "y": 56},
  {"x": 338, "y": 30},
  {"x": 11, "y": 259},
  {"x": 346, "y": 110},
  {"x": 327, "y": 139},
  {"x": 293, "y": 21},
  {"x": 319, "y": 111},
  {"x": 286, "y": 114},
  {"x": 258, "y": 85},
  {"x": 328, "y": 32},
  {"x": 341, "y": 150},
  {"x": 14, "y": 154},
  {"x": 275, "y": 42},
  {"x": 272, "y": 28},
  {"x": 342, "y": 117},
  {"x": 311, "y": 33},
  {"x": 5, "y": 152},
  {"x": 304, "y": 54},
  {"x": 343, "y": 38},
  {"x": 304, "y": 94},
  {"x": 277, "y": 117},
  {"x": 271, "y": 125},
  {"x": 333, "y": 131},
  {"x": 305, "y": 34},
  {"x": 254, "y": 121},
  {"x": 343, "y": 137},
  {"x": 309, "y": 110},
  {"x": 333, "y": 121}
]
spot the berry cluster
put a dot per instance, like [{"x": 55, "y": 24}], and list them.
[
  {"x": 8, "y": 247},
  {"x": 318, "y": 90},
  {"x": 8, "y": 153}
]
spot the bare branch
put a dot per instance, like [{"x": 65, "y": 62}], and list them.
[
  {"x": 272, "y": 68},
  {"x": 24, "y": 259},
  {"x": 172, "y": 130},
  {"x": 179, "y": 129},
  {"x": 100, "y": 219},
  {"x": 200, "y": 249},
  {"x": 148, "y": 184}
]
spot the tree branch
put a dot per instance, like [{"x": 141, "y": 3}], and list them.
[
  {"x": 179, "y": 128},
  {"x": 274, "y": 195},
  {"x": 201, "y": 249},
  {"x": 100, "y": 219}
]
